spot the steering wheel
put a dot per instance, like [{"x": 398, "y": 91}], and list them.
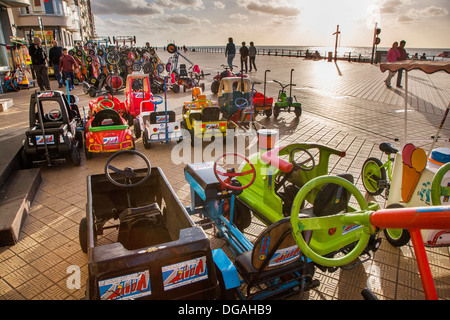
[
  {"x": 334, "y": 221},
  {"x": 54, "y": 115},
  {"x": 102, "y": 106},
  {"x": 128, "y": 172},
  {"x": 437, "y": 190},
  {"x": 301, "y": 166},
  {"x": 156, "y": 99},
  {"x": 229, "y": 175},
  {"x": 242, "y": 105}
]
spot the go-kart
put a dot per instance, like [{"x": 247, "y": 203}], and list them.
[
  {"x": 159, "y": 252},
  {"x": 282, "y": 173},
  {"x": 186, "y": 80},
  {"x": 106, "y": 132},
  {"x": 198, "y": 100},
  {"x": 106, "y": 102},
  {"x": 53, "y": 136},
  {"x": 157, "y": 126},
  {"x": 224, "y": 74},
  {"x": 137, "y": 90},
  {"x": 270, "y": 268},
  {"x": 203, "y": 121},
  {"x": 231, "y": 89},
  {"x": 286, "y": 103},
  {"x": 261, "y": 103}
]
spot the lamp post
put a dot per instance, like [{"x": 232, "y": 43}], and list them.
[
  {"x": 376, "y": 40},
  {"x": 335, "y": 45}
]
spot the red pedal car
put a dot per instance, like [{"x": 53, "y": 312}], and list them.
[
  {"x": 106, "y": 102},
  {"x": 137, "y": 90},
  {"x": 107, "y": 131}
]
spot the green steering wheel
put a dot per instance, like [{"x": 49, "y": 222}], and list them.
[
  {"x": 437, "y": 191},
  {"x": 102, "y": 106},
  {"x": 335, "y": 221}
]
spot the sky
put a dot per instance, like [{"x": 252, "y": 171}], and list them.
[{"x": 422, "y": 23}]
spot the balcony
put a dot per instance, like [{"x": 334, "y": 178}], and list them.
[
  {"x": 15, "y": 3},
  {"x": 48, "y": 20}
]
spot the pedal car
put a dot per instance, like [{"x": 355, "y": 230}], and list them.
[
  {"x": 53, "y": 136},
  {"x": 224, "y": 74},
  {"x": 282, "y": 174},
  {"x": 203, "y": 121},
  {"x": 271, "y": 267},
  {"x": 261, "y": 103},
  {"x": 198, "y": 100},
  {"x": 137, "y": 89},
  {"x": 187, "y": 80},
  {"x": 285, "y": 102},
  {"x": 231, "y": 89},
  {"x": 159, "y": 252},
  {"x": 107, "y": 131},
  {"x": 106, "y": 102},
  {"x": 157, "y": 126}
]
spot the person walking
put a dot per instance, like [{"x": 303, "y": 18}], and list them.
[
  {"x": 392, "y": 56},
  {"x": 39, "y": 64},
  {"x": 67, "y": 65},
  {"x": 244, "y": 54},
  {"x": 54, "y": 54},
  {"x": 403, "y": 56},
  {"x": 230, "y": 52},
  {"x": 252, "y": 55}
]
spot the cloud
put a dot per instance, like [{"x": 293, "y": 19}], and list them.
[
  {"x": 125, "y": 7},
  {"x": 279, "y": 8},
  {"x": 239, "y": 17},
  {"x": 219, "y": 5},
  {"x": 183, "y": 19},
  {"x": 181, "y": 4},
  {"x": 430, "y": 12}
]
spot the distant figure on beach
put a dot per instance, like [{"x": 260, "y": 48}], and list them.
[
  {"x": 415, "y": 56},
  {"x": 230, "y": 52},
  {"x": 392, "y": 56},
  {"x": 252, "y": 55},
  {"x": 403, "y": 56},
  {"x": 244, "y": 54},
  {"x": 317, "y": 55},
  {"x": 423, "y": 57}
]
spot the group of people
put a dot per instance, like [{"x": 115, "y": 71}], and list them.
[
  {"x": 63, "y": 64},
  {"x": 247, "y": 54},
  {"x": 396, "y": 53}
]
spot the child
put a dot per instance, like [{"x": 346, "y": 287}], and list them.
[{"x": 67, "y": 64}]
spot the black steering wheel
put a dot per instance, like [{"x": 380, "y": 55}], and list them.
[
  {"x": 128, "y": 172},
  {"x": 301, "y": 165},
  {"x": 54, "y": 115}
]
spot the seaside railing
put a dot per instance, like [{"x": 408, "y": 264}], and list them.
[{"x": 292, "y": 53}]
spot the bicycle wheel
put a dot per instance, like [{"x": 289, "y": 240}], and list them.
[
  {"x": 112, "y": 58},
  {"x": 397, "y": 237},
  {"x": 373, "y": 172}
]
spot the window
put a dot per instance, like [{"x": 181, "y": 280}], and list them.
[{"x": 48, "y": 5}]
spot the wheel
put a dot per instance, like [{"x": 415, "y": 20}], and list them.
[
  {"x": 26, "y": 162},
  {"x": 92, "y": 92},
  {"x": 268, "y": 113},
  {"x": 215, "y": 87},
  {"x": 176, "y": 88},
  {"x": 75, "y": 156},
  {"x": 82, "y": 234},
  {"x": 372, "y": 172},
  {"x": 397, "y": 237},
  {"x": 276, "y": 111},
  {"x": 147, "y": 145},
  {"x": 298, "y": 111},
  {"x": 437, "y": 190},
  {"x": 87, "y": 153},
  {"x": 85, "y": 88},
  {"x": 137, "y": 129},
  {"x": 242, "y": 217},
  {"x": 333, "y": 221}
]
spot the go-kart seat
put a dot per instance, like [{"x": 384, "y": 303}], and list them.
[
  {"x": 142, "y": 227},
  {"x": 275, "y": 254},
  {"x": 159, "y": 116},
  {"x": 183, "y": 71},
  {"x": 331, "y": 199},
  {"x": 210, "y": 114},
  {"x": 106, "y": 117}
]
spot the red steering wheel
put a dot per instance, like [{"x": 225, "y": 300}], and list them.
[{"x": 227, "y": 182}]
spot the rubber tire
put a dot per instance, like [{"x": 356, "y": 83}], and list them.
[
  {"x": 87, "y": 153},
  {"x": 381, "y": 176},
  {"x": 215, "y": 87},
  {"x": 147, "y": 145},
  {"x": 276, "y": 112},
  {"x": 268, "y": 113},
  {"x": 298, "y": 111},
  {"x": 82, "y": 234},
  {"x": 397, "y": 240},
  {"x": 137, "y": 129},
  {"x": 75, "y": 156}
]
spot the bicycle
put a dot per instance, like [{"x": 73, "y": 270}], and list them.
[{"x": 376, "y": 177}]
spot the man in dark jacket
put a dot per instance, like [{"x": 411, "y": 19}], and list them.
[
  {"x": 230, "y": 52},
  {"x": 39, "y": 64},
  {"x": 244, "y": 54},
  {"x": 54, "y": 55}
]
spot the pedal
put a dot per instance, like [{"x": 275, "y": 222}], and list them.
[{"x": 383, "y": 184}]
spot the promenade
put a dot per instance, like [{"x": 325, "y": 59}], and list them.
[{"x": 345, "y": 106}]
